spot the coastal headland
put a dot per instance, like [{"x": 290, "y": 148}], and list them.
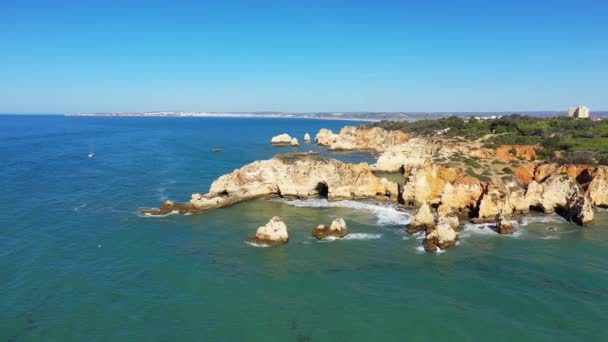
[{"x": 453, "y": 171}]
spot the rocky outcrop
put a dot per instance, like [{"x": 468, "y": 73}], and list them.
[
  {"x": 273, "y": 233},
  {"x": 325, "y": 137},
  {"x": 506, "y": 152},
  {"x": 504, "y": 224},
  {"x": 561, "y": 194},
  {"x": 598, "y": 188},
  {"x": 297, "y": 175},
  {"x": 306, "y": 137},
  {"x": 442, "y": 237},
  {"x": 414, "y": 152},
  {"x": 434, "y": 183},
  {"x": 579, "y": 172},
  {"x": 422, "y": 220},
  {"x": 281, "y": 139},
  {"x": 336, "y": 229},
  {"x": 446, "y": 214},
  {"x": 358, "y": 138},
  {"x": 294, "y": 142}
]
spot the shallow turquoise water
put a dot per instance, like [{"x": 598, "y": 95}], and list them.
[{"x": 79, "y": 263}]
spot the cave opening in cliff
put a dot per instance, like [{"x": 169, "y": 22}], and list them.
[{"x": 322, "y": 190}]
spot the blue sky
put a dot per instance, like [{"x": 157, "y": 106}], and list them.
[{"x": 96, "y": 56}]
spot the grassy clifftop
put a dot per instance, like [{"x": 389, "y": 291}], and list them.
[{"x": 563, "y": 139}]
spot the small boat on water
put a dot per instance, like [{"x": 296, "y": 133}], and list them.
[{"x": 91, "y": 153}]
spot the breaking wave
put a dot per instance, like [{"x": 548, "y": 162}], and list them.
[
  {"x": 355, "y": 236},
  {"x": 259, "y": 245},
  {"x": 386, "y": 214}
]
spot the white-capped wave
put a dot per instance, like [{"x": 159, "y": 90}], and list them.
[
  {"x": 174, "y": 212},
  {"x": 386, "y": 214},
  {"x": 552, "y": 218},
  {"x": 77, "y": 208},
  {"x": 470, "y": 229},
  {"x": 253, "y": 244},
  {"x": 550, "y": 237},
  {"x": 354, "y": 236}
]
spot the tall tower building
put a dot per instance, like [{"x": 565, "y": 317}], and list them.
[{"x": 579, "y": 112}]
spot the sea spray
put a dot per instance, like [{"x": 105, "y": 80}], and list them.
[{"x": 386, "y": 214}]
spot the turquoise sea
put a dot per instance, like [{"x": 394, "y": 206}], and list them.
[{"x": 78, "y": 263}]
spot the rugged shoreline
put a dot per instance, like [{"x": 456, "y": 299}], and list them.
[{"x": 441, "y": 175}]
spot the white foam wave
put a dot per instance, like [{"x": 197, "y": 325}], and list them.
[
  {"x": 77, "y": 208},
  {"x": 420, "y": 249},
  {"x": 550, "y": 237},
  {"x": 386, "y": 214},
  {"x": 174, "y": 212},
  {"x": 259, "y": 245},
  {"x": 354, "y": 236},
  {"x": 488, "y": 229},
  {"x": 553, "y": 218}
]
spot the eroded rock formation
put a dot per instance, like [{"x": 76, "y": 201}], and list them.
[
  {"x": 336, "y": 229},
  {"x": 281, "y": 139},
  {"x": 298, "y": 175},
  {"x": 273, "y": 233},
  {"x": 414, "y": 152},
  {"x": 325, "y": 137},
  {"x": 504, "y": 224},
  {"x": 422, "y": 219},
  {"x": 356, "y": 138},
  {"x": 442, "y": 237}
]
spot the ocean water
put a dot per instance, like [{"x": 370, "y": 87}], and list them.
[{"x": 77, "y": 261}]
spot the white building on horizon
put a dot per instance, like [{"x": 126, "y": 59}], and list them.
[{"x": 579, "y": 112}]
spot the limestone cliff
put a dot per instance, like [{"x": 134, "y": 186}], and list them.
[
  {"x": 414, "y": 152},
  {"x": 357, "y": 138},
  {"x": 291, "y": 175}
]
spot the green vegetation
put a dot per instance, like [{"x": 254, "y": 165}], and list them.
[
  {"x": 471, "y": 162},
  {"x": 579, "y": 140},
  {"x": 507, "y": 170},
  {"x": 469, "y": 172}
]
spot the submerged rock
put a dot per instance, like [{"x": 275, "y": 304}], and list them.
[
  {"x": 281, "y": 139},
  {"x": 336, "y": 229},
  {"x": 273, "y": 233}
]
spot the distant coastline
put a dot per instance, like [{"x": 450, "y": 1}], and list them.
[{"x": 343, "y": 116}]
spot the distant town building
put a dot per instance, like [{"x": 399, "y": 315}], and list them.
[{"x": 578, "y": 112}]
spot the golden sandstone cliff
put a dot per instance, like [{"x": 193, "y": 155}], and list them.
[
  {"x": 354, "y": 138},
  {"x": 450, "y": 182},
  {"x": 291, "y": 175}
]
